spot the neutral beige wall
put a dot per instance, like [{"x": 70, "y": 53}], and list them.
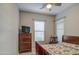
[
  {"x": 9, "y": 18},
  {"x": 71, "y": 20},
  {"x": 27, "y": 19}
]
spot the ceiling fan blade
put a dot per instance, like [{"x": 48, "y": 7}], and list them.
[
  {"x": 57, "y": 4},
  {"x": 44, "y": 5}
]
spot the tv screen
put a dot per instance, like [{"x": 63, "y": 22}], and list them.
[{"x": 25, "y": 29}]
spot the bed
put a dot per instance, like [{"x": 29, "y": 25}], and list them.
[{"x": 69, "y": 46}]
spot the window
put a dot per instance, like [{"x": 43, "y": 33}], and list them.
[
  {"x": 39, "y": 30},
  {"x": 60, "y": 29}
]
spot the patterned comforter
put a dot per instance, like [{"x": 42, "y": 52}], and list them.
[{"x": 61, "y": 49}]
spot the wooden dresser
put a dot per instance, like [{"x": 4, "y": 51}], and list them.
[{"x": 25, "y": 41}]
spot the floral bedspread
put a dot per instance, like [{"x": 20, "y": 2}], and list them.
[{"x": 61, "y": 49}]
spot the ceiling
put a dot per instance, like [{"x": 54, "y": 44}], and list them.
[{"x": 35, "y": 8}]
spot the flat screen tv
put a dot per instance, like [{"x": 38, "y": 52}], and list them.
[{"x": 25, "y": 29}]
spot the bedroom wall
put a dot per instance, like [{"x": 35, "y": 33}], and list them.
[
  {"x": 71, "y": 20},
  {"x": 9, "y": 22},
  {"x": 27, "y": 18}
]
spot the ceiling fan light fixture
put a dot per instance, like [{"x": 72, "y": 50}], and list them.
[{"x": 49, "y": 6}]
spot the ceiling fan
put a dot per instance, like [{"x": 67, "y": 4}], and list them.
[{"x": 49, "y": 5}]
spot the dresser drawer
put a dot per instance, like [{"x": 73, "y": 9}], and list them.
[
  {"x": 24, "y": 36},
  {"x": 25, "y": 46},
  {"x": 25, "y": 40}
]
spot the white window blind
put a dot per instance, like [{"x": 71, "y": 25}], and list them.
[
  {"x": 39, "y": 30},
  {"x": 60, "y": 29}
]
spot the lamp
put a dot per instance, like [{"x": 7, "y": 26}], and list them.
[{"x": 49, "y": 6}]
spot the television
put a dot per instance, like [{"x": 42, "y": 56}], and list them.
[{"x": 25, "y": 29}]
